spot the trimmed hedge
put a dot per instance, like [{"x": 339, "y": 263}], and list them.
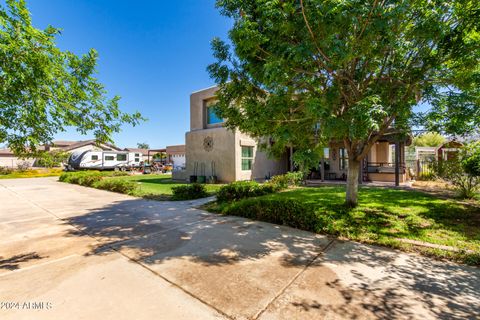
[
  {"x": 116, "y": 185},
  {"x": 281, "y": 182},
  {"x": 96, "y": 179},
  {"x": 189, "y": 192},
  {"x": 292, "y": 213},
  {"x": 243, "y": 189}
]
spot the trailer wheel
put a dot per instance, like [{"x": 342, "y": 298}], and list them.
[{"x": 123, "y": 169}]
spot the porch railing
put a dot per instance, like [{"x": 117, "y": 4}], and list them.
[{"x": 384, "y": 167}]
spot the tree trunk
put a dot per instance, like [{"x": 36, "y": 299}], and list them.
[{"x": 352, "y": 183}]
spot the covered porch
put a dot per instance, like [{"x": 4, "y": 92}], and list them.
[{"x": 384, "y": 163}]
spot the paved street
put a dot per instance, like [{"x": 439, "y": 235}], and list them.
[{"x": 80, "y": 253}]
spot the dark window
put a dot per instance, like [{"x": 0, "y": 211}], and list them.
[
  {"x": 137, "y": 159},
  {"x": 121, "y": 157},
  {"x": 109, "y": 158},
  {"x": 94, "y": 157},
  {"x": 137, "y": 154},
  {"x": 247, "y": 158}
]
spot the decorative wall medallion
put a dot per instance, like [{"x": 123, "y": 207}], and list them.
[{"x": 208, "y": 143}]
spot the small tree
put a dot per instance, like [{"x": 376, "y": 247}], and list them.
[
  {"x": 50, "y": 159},
  {"x": 463, "y": 171},
  {"x": 143, "y": 145},
  {"x": 429, "y": 139},
  {"x": 308, "y": 72},
  {"x": 44, "y": 90}
]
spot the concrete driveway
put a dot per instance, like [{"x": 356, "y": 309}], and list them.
[{"x": 80, "y": 253}]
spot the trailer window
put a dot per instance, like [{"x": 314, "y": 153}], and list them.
[
  {"x": 137, "y": 159},
  {"x": 121, "y": 157},
  {"x": 94, "y": 157},
  {"x": 109, "y": 158}
]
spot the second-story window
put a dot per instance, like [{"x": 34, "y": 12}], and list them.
[{"x": 211, "y": 116}]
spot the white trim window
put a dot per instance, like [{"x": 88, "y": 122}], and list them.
[
  {"x": 247, "y": 158},
  {"x": 343, "y": 158}
]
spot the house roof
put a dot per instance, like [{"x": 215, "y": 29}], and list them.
[
  {"x": 80, "y": 144},
  {"x": 6, "y": 152},
  {"x": 138, "y": 150},
  {"x": 63, "y": 143}
]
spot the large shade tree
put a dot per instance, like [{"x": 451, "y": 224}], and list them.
[
  {"x": 44, "y": 90},
  {"x": 308, "y": 72}
]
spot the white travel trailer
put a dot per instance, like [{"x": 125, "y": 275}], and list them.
[{"x": 103, "y": 160}]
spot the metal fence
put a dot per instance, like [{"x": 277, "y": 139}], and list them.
[{"x": 421, "y": 169}]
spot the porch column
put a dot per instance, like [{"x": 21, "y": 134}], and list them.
[
  {"x": 360, "y": 174},
  {"x": 397, "y": 163},
  {"x": 322, "y": 169}
]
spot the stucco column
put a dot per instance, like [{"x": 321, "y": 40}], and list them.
[{"x": 397, "y": 163}]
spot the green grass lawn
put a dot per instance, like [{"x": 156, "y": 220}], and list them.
[
  {"x": 40, "y": 173},
  {"x": 386, "y": 215},
  {"x": 159, "y": 186}
]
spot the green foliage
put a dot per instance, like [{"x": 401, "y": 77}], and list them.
[
  {"x": 115, "y": 185},
  {"x": 307, "y": 159},
  {"x": 88, "y": 178},
  {"x": 44, "y": 90},
  {"x": 429, "y": 139},
  {"x": 462, "y": 171},
  {"x": 9, "y": 173},
  {"x": 5, "y": 170},
  {"x": 189, "y": 191},
  {"x": 50, "y": 159},
  {"x": 304, "y": 73},
  {"x": 471, "y": 159},
  {"x": 243, "y": 189},
  {"x": 143, "y": 145},
  {"x": 284, "y": 181},
  {"x": 280, "y": 211}
]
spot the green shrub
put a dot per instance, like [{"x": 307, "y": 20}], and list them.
[
  {"x": 5, "y": 170},
  {"x": 281, "y": 182},
  {"x": 88, "y": 178},
  {"x": 287, "y": 212},
  {"x": 243, "y": 189},
  {"x": 189, "y": 191},
  {"x": 116, "y": 185}
]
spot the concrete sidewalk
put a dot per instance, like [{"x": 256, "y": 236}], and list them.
[{"x": 91, "y": 254}]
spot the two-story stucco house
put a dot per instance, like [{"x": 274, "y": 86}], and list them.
[{"x": 213, "y": 150}]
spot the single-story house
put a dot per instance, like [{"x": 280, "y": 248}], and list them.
[
  {"x": 230, "y": 155},
  {"x": 10, "y": 160},
  {"x": 144, "y": 152}
]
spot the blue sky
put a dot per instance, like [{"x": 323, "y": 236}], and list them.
[{"x": 152, "y": 53}]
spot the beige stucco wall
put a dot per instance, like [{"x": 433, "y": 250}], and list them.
[
  {"x": 13, "y": 162},
  {"x": 262, "y": 166},
  {"x": 197, "y": 107},
  {"x": 222, "y": 153},
  {"x": 386, "y": 177},
  {"x": 226, "y": 152},
  {"x": 382, "y": 150}
]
